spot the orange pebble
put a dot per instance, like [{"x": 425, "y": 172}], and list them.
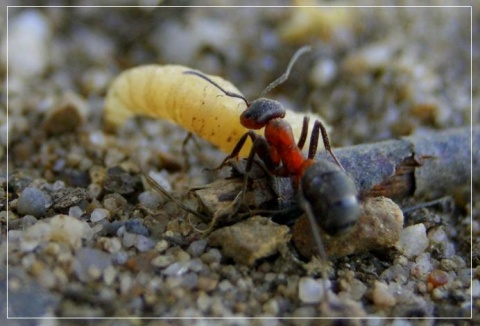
[{"x": 437, "y": 278}]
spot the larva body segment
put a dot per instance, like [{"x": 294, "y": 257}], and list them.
[{"x": 165, "y": 92}]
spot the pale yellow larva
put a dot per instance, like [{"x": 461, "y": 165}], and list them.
[{"x": 165, "y": 92}]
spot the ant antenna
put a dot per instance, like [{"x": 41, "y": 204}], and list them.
[
  {"x": 199, "y": 74},
  {"x": 285, "y": 75}
]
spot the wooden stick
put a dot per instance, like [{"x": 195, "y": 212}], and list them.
[{"x": 430, "y": 165}]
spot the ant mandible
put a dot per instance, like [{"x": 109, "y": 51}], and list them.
[{"x": 325, "y": 191}]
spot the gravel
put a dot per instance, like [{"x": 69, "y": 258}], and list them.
[
  {"x": 33, "y": 201},
  {"x": 88, "y": 237},
  {"x": 413, "y": 241},
  {"x": 311, "y": 290}
]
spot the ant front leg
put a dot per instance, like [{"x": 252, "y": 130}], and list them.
[
  {"x": 317, "y": 128},
  {"x": 261, "y": 148},
  {"x": 266, "y": 153},
  {"x": 238, "y": 147}
]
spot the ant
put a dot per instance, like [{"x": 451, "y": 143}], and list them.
[{"x": 325, "y": 192}]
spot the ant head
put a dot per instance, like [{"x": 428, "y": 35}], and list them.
[
  {"x": 332, "y": 196},
  {"x": 260, "y": 111}
]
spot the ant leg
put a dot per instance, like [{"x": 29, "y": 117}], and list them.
[
  {"x": 317, "y": 127},
  {"x": 305, "y": 205},
  {"x": 261, "y": 148},
  {"x": 303, "y": 135},
  {"x": 238, "y": 147},
  {"x": 187, "y": 139}
]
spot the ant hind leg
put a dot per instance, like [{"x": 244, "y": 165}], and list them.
[
  {"x": 317, "y": 128},
  {"x": 305, "y": 205}
]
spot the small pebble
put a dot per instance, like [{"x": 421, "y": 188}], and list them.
[
  {"x": 225, "y": 285},
  {"x": 125, "y": 283},
  {"x": 27, "y": 221},
  {"x": 67, "y": 116},
  {"x": 150, "y": 199},
  {"x": 28, "y": 299},
  {"x": 143, "y": 243},
  {"x": 311, "y": 290},
  {"x": 75, "y": 211},
  {"x": 437, "y": 278},
  {"x": 66, "y": 197},
  {"x": 212, "y": 256},
  {"x": 465, "y": 275},
  {"x": 204, "y": 301},
  {"x": 422, "y": 265},
  {"x": 90, "y": 263},
  {"x": 120, "y": 257},
  {"x": 181, "y": 255},
  {"x": 250, "y": 240},
  {"x": 439, "y": 241},
  {"x": 128, "y": 239},
  {"x": 271, "y": 307},
  {"x": 206, "y": 283},
  {"x": 176, "y": 269},
  {"x": 439, "y": 294},
  {"x": 196, "y": 265},
  {"x": 97, "y": 174},
  {"x": 94, "y": 190},
  {"x": 196, "y": 248},
  {"x": 57, "y": 185},
  {"x": 162, "y": 261},
  {"x": 29, "y": 39},
  {"x": 448, "y": 265},
  {"x": 357, "y": 289},
  {"x": 381, "y": 295},
  {"x": 33, "y": 201},
  {"x": 114, "y": 203},
  {"x": 60, "y": 228},
  {"x": 189, "y": 281},
  {"x": 111, "y": 244},
  {"x": 99, "y": 214},
  {"x": 161, "y": 246},
  {"x": 121, "y": 182},
  {"x": 136, "y": 226},
  {"x": 413, "y": 240}
]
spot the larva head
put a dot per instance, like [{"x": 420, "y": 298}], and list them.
[
  {"x": 332, "y": 196},
  {"x": 260, "y": 112}
]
